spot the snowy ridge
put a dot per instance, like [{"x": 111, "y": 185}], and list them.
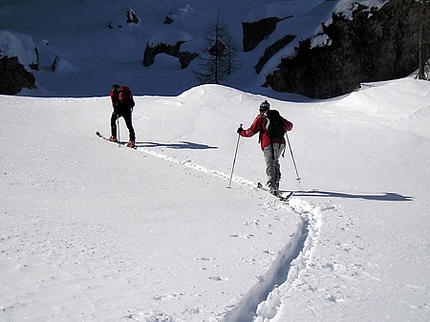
[{"x": 94, "y": 63}]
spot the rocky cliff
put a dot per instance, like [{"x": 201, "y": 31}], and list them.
[{"x": 374, "y": 45}]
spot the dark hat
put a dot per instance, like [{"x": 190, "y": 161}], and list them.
[
  {"x": 265, "y": 106},
  {"x": 115, "y": 88}
]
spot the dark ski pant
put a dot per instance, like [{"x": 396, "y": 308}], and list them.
[{"x": 127, "y": 119}]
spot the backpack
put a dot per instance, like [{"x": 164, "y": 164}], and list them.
[
  {"x": 275, "y": 125},
  {"x": 125, "y": 97}
]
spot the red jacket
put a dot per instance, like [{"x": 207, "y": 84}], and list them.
[{"x": 259, "y": 126}]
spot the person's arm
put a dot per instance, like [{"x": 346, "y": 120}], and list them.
[{"x": 254, "y": 128}]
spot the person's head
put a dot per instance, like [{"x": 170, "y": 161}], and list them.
[
  {"x": 115, "y": 88},
  {"x": 264, "y": 107}
]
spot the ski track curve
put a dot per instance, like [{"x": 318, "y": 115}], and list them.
[
  {"x": 311, "y": 217},
  {"x": 262, "y": 302}
]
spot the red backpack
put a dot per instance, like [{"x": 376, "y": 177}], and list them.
[{"x": 125, "y": 96}]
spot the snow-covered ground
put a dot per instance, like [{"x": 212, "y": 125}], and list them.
[{"x": 93, "y": 231}]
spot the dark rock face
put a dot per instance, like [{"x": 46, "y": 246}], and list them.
[
  {"x": 168, "y": 20},
  {"x": 375, "y": 45},
  {"x": 132, "y": 17},
  {"x": 255, "y": 32},
  {"x": 14, "y": 77},
  {"x": 272, "y": 50},
  {"x": 184, "y": 57}
]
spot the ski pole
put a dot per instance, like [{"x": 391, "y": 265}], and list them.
[
  {"x": 292, "y": 158},
  {"x": 117, "y": 129},
  {"x": 234, "y": 160}
]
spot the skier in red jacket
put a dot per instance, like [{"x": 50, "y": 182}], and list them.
[
  {"x": 272, "y": 146},
  {"x": 122, "y": 103}
]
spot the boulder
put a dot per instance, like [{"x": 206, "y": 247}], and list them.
[{"x": 14, "y": 77}]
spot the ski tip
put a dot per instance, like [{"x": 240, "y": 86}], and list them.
[
  {"x": 288, "y": 195},
  {"x": 98, "y": 134}
]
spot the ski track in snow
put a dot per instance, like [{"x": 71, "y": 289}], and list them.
[
  {"x": 262, "y": 302},
  {"x": 311, "y": 223},
  {"x": 190, "y": 164}
]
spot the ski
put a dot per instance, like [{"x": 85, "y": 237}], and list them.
[
  {"x": 107, "y": 139},
  {"x": 102, "y": 136},
  {"x": 285, "y": 196}
]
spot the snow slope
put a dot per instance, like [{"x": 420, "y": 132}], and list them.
[{"x": 93, "y": 231}]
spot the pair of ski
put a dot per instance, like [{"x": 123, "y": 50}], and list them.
[
  {"x": 283, "y": 195},
  {"x": 117, "y": 142}
]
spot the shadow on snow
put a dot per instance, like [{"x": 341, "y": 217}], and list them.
[
  {"x": 384, "y": 196},
  {"x": 177, "y": 145}
]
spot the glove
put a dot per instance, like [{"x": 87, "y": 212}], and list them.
[{"x": 240, "y": 130}]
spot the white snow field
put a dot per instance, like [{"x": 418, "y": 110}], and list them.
[{"x": 94, "y": 231}]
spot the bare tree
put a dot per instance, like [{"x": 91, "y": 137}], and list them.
[{"x": 218, "y": 55}]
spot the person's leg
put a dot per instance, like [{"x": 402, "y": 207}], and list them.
[
  {"x": 113, "y": 119},
  {"x": 272, "y": 154},
  {"x": 128, "y": 123},
  {"x": 270, "y": 167},
  {"x": 278, "y": 150}
]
